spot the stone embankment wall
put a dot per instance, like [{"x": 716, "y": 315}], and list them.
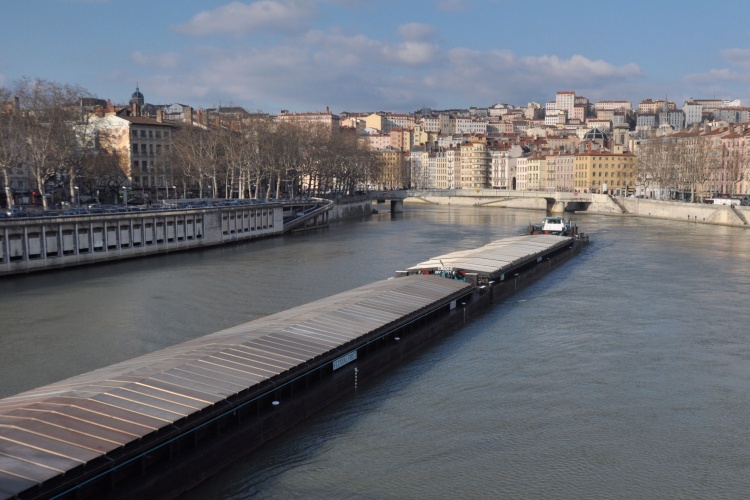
[
  {"x": 671, "y": 210},
  {"x": 350, "y": 208},
  {"x": 485, "y": 201},
  {"x": 736, "y": 216}
]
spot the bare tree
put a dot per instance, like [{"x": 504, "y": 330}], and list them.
[
  {"x": 11, "y": 141},
  {"x": 48, "y": 112}
]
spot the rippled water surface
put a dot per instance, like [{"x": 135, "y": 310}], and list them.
[{"x": 624, "y": 374}]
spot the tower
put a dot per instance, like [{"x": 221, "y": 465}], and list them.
[{"x": 136, "y": 101}]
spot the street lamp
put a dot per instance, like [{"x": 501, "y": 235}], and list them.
[
  {"x": 175, "y": 192},
  {"x": 78, "y": 197},
  {"x": 124, "y": 195}
]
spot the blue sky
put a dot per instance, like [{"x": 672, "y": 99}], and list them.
[{"x": 366, "y": 55}]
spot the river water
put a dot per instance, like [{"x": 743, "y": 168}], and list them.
[{"x": 623, "y": 374}]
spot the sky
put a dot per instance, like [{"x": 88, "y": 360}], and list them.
[{"x": 379, "y": 55}]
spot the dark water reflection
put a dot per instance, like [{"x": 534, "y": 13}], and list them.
[{"x": 625, "y": 374}]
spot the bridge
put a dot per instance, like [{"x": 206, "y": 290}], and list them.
[{"x": 553, "y": 201}]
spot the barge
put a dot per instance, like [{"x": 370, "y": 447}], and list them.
[{"x": 157, "y": 425}]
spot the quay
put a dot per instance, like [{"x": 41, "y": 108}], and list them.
[
  {"x": 573, "y": 202},
  {"x": 44, "y": 243},
  {"x": 158, "y": 424}
]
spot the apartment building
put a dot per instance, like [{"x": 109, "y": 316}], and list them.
[
  {"x": 327, "y": 120},
  {"x": 652, "y": 107},
  {"x": 504, "y": 167},
  {"x": 445, "y": 168},
  {"x": 732, "y": 114},
  {"x": 613, "y": 106},
  {"x": 395, "y": 172},
  {"x": 609, "y": 172},
  {"x": 475, "y": 165},
  {"x": 139, "y": 142},
  {"x": 565, "y": 101},
  {"x": 693, "y": 112},
  {"x": 561, "y": 172}
]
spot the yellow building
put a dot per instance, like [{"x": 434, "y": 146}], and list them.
[
  {"x": 609, "y": 172},
  {"x": 393, "y": 172}
]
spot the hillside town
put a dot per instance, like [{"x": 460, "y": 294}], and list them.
[{"x": 102, "y": 151}]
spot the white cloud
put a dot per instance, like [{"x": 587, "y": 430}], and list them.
[
  {"x": 167, "y": 60},
  {"x": 351, "y": 71},
  {"x": 416, "y": 31},
  {"x": 238, "y": 18},
  {"x": 738, "y": 57}
]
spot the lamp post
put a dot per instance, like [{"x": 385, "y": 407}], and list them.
[
  {"x": 174, "y": 188},
  {"x": 78, "y": 197},
  {"x": 124, "y": 196}
]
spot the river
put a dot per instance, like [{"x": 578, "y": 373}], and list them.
[{"x": 623, "y": 374}]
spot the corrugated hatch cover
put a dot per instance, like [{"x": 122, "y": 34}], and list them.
[
  {"x": 53, "y": 429},
  {"x": 496, "y": 257}
]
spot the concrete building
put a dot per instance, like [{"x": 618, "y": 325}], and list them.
[
  {"x": 693, "y": 112},
  {"x": 565, "y": 101},
  {"x": 732, "y": 114}
]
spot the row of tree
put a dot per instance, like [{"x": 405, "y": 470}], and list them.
[
  {"x": 695, "y": 163},
  {"x": 261, "y": 158},
  {"x": 47, "y": 135},
  {"x": 46, "y": 142}
]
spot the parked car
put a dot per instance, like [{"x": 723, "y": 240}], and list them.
[
  {"x": 16, "y": 212},
  {"x": 76, "y": 211}
]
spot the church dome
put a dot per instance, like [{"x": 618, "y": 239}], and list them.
[
  {"x": 595, "y": 134},
  {"x": 137, "y": 97}
]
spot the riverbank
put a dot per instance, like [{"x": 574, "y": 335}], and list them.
[{"x": 602, "y": 204}]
